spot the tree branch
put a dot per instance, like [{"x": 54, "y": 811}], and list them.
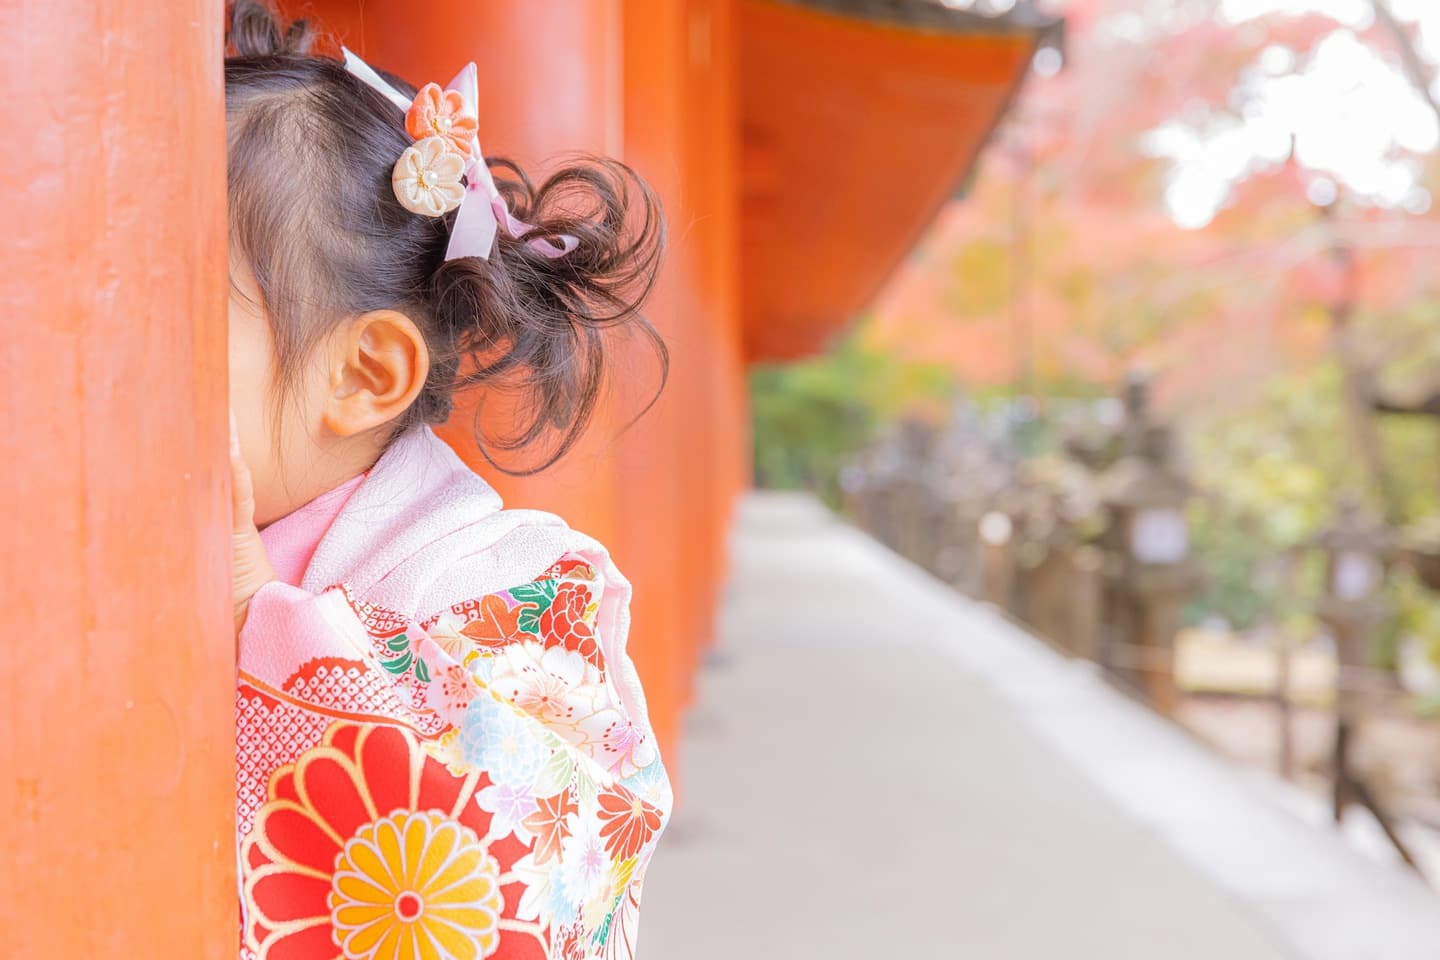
[{"x": 1421, "y": 75}]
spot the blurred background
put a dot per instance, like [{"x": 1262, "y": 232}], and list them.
[
  {"x": 1159, "y": 386},
  {"x": 1199, "y": 248}
]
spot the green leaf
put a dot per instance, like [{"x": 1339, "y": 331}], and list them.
[
  {"x": 585, "y": 787},
  {"x": 422, "y": 671},
  {"x": 396, "y": 644},
  {"x": 555, "y": 776},
  {"x": 541, "y": 592},
  {"x": 399, "y": 664},
  {"x": 601, "y": 935}
]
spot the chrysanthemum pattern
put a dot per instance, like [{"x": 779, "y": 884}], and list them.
[
  {"x": 489, "y": 796},
  {"x": 416, "y": 882}
]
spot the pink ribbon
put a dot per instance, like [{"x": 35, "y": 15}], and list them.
[
  {"x": 475, "y": 224},
  {"x": 477, "y": 221}
]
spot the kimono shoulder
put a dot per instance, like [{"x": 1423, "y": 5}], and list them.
[
  {"x": 424, "y": 532},
  {"x": 486, "y": 768},
  {"x": 450, "y": 678}
]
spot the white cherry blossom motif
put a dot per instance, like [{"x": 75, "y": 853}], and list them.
[
  {"x": 554, "y": 685},
  {"x": 427, "y": 178},
  {"x": 620, "y": 744}
]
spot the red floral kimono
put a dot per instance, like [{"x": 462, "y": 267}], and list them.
[{"x": 443, "y": 748}]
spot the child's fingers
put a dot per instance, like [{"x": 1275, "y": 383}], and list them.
[
  {"x": 250, "y": 566},
  {"x": 242, "y": 487}
]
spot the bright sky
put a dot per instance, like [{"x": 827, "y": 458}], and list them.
[{"x": 1354, "y": 117}]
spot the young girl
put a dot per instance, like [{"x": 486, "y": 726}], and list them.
[{"x": 443, "y": 747}]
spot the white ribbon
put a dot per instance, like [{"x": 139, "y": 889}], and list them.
[{"x": 476, "y": 222}]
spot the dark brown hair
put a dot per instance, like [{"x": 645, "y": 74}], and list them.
[{"x": 313, "y": 213}]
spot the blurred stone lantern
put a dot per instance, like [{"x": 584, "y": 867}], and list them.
[
  {"x": 1356, "y": 549},
  {"x": 914, "y": 494},
  {"x": 853, "y": 484},
  {"x": 1000, "y": 534},
  {"x": 1150, "y": 573},
  {"x": 1038, "y": 531},
  {"x": 963, "y": 496},
  {"x": 1082, "y": 562},
  {"x": 882, "y": 466},
  {"x": 996, "y": 535}
]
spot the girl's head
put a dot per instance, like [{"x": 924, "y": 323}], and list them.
[{"x": 347, "y": 323}]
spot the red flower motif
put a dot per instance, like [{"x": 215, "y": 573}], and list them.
[
  {"x": 627, "y": 823},
  {"x": 311, "y": 870},
  {"x": 550, "y": 824},
  {"x": 563, "y": 623}
]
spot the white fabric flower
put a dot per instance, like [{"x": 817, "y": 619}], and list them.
[{"x": 427, "y": 178}]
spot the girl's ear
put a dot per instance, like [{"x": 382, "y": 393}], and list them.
[{"x": 378, "y": 365}]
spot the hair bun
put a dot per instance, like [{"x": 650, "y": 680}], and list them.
[{"x": 256, "y": 30}]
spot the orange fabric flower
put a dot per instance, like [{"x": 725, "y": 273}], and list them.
[{"x": 441, "y": 113}]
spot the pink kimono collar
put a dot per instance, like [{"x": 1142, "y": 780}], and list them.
[{"x": 290, "y": 541}]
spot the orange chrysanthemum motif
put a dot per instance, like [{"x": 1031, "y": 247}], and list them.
[
  {"x": 627, "y": 823},
  {"x": 441, "y": 113}
]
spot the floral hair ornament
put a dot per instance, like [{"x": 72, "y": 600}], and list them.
[{"x": 427, "y": 177}]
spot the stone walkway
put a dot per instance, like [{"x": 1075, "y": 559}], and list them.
[{"x": 878, "y": 768}]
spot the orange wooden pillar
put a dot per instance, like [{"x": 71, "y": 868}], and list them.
[
  {"x": 680, "y": 129},
  {"x": 711, "y": 151},
  {"x": 651, "y": 534},
  {"x": 117, "y": 745}
]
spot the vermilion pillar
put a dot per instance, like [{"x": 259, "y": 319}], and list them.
[
  {"x": 712, "y": 133},
  {"x": 658, "y": 468},
  {"x": 117, "y": 684}
]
